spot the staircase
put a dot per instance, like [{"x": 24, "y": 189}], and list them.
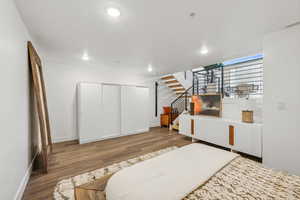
[
  {"x": 207, "y": 80},
  {"x": 173, "y": 84},
  {"x": 181, "y": 103}
]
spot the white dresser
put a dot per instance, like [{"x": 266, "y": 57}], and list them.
[{"x": 236, "y": 135}]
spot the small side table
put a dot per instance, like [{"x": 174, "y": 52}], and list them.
[{"x": 165, "y": 120}]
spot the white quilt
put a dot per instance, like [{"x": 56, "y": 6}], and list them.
[{"x": 170, "y": 176}]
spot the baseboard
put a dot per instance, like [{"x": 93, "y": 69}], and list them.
[
  {"x": 64, "y": 139},
  {"x": 138, "y": 131},
  {"x": 154, "y": 123},
  {"x": 84, "y": 141},
  {"x": 24, "y": 181}
]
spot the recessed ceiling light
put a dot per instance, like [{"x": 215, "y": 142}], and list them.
[
  {"x": 113, "y": 12},
  {"x": 150, "y": 69},
  {"x": 204, "y": 51},
  {"x": 85, "y": 56},
  {"x": 192, "y": 14}
]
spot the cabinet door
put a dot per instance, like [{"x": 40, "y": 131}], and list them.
[
  {"x": 134, "y": 109},
  {"x": 89, "y": 112},
  {"x": 200, "y": 133},
  {"x": 185, "y": 125},
  {"x": 247, "y": 139},
  {"x": 214, "y": 131},
  {"x": 111, "y": 111}
]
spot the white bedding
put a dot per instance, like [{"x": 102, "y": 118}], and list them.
[{"x": 170, "y": 176}]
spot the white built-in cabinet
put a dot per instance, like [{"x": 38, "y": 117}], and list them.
[
  {"x": 185, "y": 125},
  {"x": 248, "y": 138},
  {"x": 134, "y": 109},
  {"x": 111, "y": 110},
  {"x": 238, "y": 136},
  {"x": 89, "y": 112}
]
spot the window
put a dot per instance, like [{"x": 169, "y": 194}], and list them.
[
  {"x": 243, "y": 77},
  {"x": 237, "y": 78}
]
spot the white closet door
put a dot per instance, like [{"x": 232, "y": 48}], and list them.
[
  {"x": 111, "y": 111},
  {"x": 89, "y": 112},
  {"x": 134, "y": 109}
]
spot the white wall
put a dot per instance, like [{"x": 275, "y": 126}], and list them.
[
  {"x": 164, "y": 98},
  {"x": 61, "y": 80},
  {"x": 185, "y": 79},
  {"x": 232, "y": 108},
  {"x": 15, "y": 145},
  {"x": 281, "y": 141}
]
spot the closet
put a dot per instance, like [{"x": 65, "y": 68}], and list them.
[
  {"x": 134, "y": 109},
  {"x": 111, "y": 110}
]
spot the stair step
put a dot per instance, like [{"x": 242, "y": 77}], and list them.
[
  {"x": 179, "y": 89},
  {"x": 175, "y": 86},
  {"x": 168, "y": 77},
  {"x": 175, "y": 127},
  {"x": 170, "y": 82},
  {"x": 188, "y": 96}
]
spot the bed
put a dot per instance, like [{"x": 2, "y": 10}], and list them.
[
  {"x": 193, "y": 172},
  {"x": 169, "y": 176},
  {"x": 199, "y": 171}
]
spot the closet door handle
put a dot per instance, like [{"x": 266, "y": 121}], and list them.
[{"x": 231, "y": 135}]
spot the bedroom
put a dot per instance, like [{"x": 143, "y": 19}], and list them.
[{"x": 96, "y": 93}]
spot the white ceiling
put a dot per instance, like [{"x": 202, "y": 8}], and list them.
[{"x": 160, "y": 32}]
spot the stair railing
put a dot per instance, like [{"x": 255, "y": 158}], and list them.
[
  {"x": 213, "y": 74},
  {"x": 180, "y": 104}
]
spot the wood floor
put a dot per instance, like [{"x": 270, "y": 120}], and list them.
[{"x": 70, "y": 159}]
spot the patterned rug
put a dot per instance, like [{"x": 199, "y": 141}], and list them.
[
  {"x": 64, "y": 189},
  {"x": 246, "y": 179}
]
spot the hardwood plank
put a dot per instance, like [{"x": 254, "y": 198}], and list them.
[
  {"x": 170, "y": 82},
  {"x": 179, "y": 92},
  {"x": 175, "y": 86},
  {"x": 168, "y": 77},
  {"x": 179, "y": 89},
  {"x": 70, "y": 158}
]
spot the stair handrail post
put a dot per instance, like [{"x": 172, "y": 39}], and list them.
[
  {"x": 185, "y": 99},
  {"x": 171, "y": 121},
  {"x": 198, "y": 86},
  {"x": 222, "y": 80},
  {"x": 193, "y": 83},
  {"x": 195, "y": 80}
]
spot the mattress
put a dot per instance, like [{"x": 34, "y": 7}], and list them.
[{"x": 171, "y": 176}]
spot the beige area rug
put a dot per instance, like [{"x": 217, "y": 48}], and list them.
[
  {"x": 65, "y": 189},
  {"x": 246, "y": 179}
]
